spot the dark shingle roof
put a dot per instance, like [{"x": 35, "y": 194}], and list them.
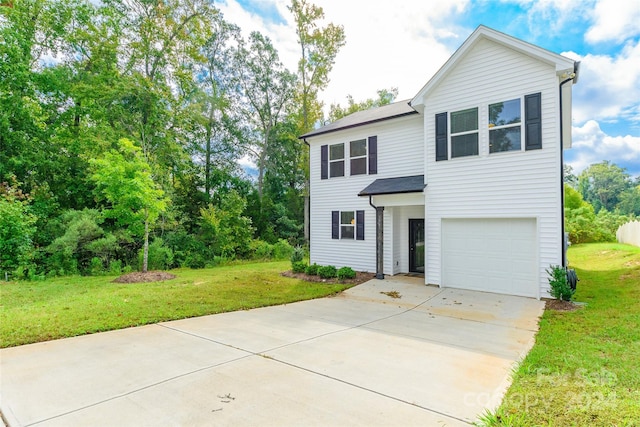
[
  {"x": 359, "y": 118},
  {"x": 403, "y": 184}
]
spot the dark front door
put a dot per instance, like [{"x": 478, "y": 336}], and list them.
[{"x": 416, "y": 246}]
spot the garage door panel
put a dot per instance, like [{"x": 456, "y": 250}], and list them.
[{"x": 493, "y": 255}]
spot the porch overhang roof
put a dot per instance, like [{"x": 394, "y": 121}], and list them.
[{"x": 399, "y": 185}]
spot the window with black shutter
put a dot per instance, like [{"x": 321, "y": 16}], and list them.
[
  {"x": 335, "y": 224},
  {"x": 359, "y": 225},
  {"x": 348, "y": 225},
  {"x": 441, "y": 137},
  {"x": 373, "y": 155},
  {"x": 324, "y": 162},
  {"x": 533, "y": 121}
]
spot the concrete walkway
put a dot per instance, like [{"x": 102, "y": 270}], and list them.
[{"x": 432, "y": 357}]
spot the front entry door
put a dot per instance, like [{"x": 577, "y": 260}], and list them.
[{"x": 416, "y": 246}]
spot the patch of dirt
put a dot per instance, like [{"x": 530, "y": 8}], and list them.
[
  {"x": 392, "y": 294},
  {"x": 558, "y": 305},
  {"x": 149, "y": 276},
  {"x": 361, "y": 277}
]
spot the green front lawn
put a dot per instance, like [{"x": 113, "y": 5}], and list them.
[
  {"x": 69, "y": 306},
  {"x": 584, "y": 369}
]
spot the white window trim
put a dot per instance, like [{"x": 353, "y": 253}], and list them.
[
  {"x": 451, "y": 135},
  {"x": 521, "y": 125},
  {"x": 352, "y": 225},
  {"x": 365, "y": 156},
  {"x": 343, "y": 159}
]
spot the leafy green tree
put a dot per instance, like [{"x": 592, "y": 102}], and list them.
[
  {"x": 584, "y": 225},
  {"x": 17, "y": 227},
  {"x": 319, "y": 47},
  {"x": 82, "y": 239},
  {"x": 602, "y": 183},
  {"x": 123, "y": 178},
  {"x": 569, "y": 177},
  {"x": 217, "y": 144},
  {"x": 629, "y": 201},
  {"x": 385, "y": 97},
  {"x": 226, "y": 228},
  {"x": 267, "y": 91}
]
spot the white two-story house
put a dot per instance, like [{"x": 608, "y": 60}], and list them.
[{"x": 462, "y": 183}]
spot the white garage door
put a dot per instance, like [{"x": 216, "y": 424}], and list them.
[{"x": 492, "y": 255}]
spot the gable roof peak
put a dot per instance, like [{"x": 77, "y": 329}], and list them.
[{"x": 560, "y": 62}]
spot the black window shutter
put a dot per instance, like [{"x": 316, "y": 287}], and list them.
[
  {"x": 324, "y": 162},
  {"x": 373, "y": 155},
  {"x": 533, "y": 122},
  {"x": 359, "y": 225},
  {"x": 441, "y": 137},
  {"x": 335, "y": 224}
]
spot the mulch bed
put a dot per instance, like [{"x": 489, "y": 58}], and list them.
[
  {"x": 360, "y": 278},
  {"x": 149, "y": 276},
  {"x": 558, "y": 305}
]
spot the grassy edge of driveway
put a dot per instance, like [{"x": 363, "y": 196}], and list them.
[
  {"x": 584, "y": 368},
  {"x": 70, "y": 306}
]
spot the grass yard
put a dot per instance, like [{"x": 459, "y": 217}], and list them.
[
  {"x": 69, "y": 306},
  {"x": 584, "y": 369}
]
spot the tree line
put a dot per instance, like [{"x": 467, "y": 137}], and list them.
[
  {"x": 124, "y": 125},
  {"x": 598, "y": 201}
]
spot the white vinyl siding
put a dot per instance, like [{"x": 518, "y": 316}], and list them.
[
  {"x": 521, "y": 184},
  {"x": 400, "y": 151}
]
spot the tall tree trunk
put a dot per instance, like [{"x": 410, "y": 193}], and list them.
[
  {"x": 145, "y": 256},
  {"x": 207, "y": 161}
]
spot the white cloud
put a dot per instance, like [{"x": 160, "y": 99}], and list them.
[
  {"x": 388, "y": 44},
  {"x": 592, "y": 145},
  {"x": 614, "y": 20},
  {"x": 609, "y": 87},
  {"x": 554, "y": 15}
]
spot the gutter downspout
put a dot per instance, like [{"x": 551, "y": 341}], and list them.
[
  {"x": 563, "y": 239},
  {"x": 379, "y": 239},
  {"x": 306, "y": 223}
]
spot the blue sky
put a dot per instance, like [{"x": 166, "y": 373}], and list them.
[{"x": 402, "y": 43}]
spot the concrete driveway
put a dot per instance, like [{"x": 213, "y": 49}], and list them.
[{"x": 431, "y": 357}]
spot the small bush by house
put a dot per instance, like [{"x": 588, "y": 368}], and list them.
[
  {"x": 312, "y": 270},
  {"x": 327, "y": 272},
  {"x": 345, "y": 273},
  {"x": 299, "y": 266}
]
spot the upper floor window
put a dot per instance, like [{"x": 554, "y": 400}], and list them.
[
  {"x": 362, "y": 155},
  {"x": 336, "y": 160},
  {"x": 358, "y": 155},
  {"x": 505, "y": 126},
  {"x": 464, "y": 133},
  {"x": 510, "y": 124}
]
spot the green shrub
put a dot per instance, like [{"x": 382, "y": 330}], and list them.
[
  {"x": 195, "y": 260},
  {"x": 560, "y": 288},
  {"x": 312, "y": 270},
  {"x": 160, "y": 256},
  {"x": 327, "y": 272},
  {"x": 346, "y": 273},
  {"x": 115, "y": 266},
  {"x": 261, "y": 249},
  {"x": 297, "y": 254},
  {"x": 96, "y": 268},
  {"x": 282, "y": 249},
  {"x": 299, "y": 266}
]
